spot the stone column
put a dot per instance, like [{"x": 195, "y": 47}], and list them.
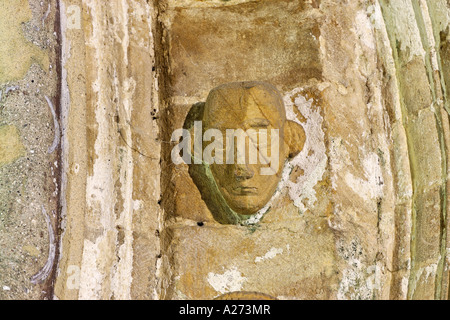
[{"x": 111, "y": 151}]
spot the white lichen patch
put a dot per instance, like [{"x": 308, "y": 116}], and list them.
[
  {"x": 438, "y": 10},
  {"x": 231, "y": 280},
  {"x": 339, "y": 157},
  {"x": 405, "y": 283},
  {"x": 371, "y": 187},
  {"x": 91, "y": 277},
  {"x": 430, "y": 271},
  {"x": 272, "y": 253},
  {"x": 403, "y": 22},
  {"x": 355, "y": 283},
  {"x": 364, "y": 30},
  {"x": 313, "y": 159},
  {"x": 137, "y": 205},
  {"x": 358, "y": 281},
  {"x": 423, "y": 275},
  {"x": 376, "y": 16}
]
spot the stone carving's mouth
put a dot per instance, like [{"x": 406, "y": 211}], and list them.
[{"x": 244, "y": 190}]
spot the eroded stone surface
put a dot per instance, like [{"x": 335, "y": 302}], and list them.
[
  {"x": 360, "y": 213},
  {"x": 17, "y": 52},
  {"x": 266, "y": 260},
  {"x": 111, "y": 190},
  {"x": 11, "y": 147},
  {"x": 29, "y": 148}
]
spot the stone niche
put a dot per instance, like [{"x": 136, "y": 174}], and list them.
[{"x": 286, "y": 250}]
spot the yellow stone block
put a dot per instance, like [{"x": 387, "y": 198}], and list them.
[
  {"x": 17, "y": 54},
  {"x": 11, "y": 147}
]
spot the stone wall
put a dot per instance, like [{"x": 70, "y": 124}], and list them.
[
  {"x": 91, "y": 202},
  {"x": 29, "y": 148}
]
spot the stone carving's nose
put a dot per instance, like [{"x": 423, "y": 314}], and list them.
[{"x": 243, "y": 172}]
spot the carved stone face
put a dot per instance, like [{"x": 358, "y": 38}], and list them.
[
  {"x": 246, "y": 106},
  {"x": 258, "y": 106}
]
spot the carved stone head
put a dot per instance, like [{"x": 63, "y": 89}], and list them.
[{"x": 249, "y": 116}]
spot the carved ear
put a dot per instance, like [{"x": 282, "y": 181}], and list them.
[{"x": 294, "y": 137}]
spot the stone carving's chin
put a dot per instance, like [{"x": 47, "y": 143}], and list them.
[
  {"x": 244, "y": 208},
  {"x": 242, "y": 200}
]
